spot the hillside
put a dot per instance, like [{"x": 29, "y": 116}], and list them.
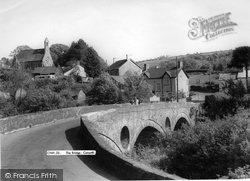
[{"x": 217, "y": 60}]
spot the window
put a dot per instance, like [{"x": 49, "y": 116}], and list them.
[
  {"x": 166, "y": 82},
  {"x": 158, "y": 87}
]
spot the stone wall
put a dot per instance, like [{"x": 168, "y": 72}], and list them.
[
  {"x": 120, "y": 165},
  {"x": 14, "y": 123}
]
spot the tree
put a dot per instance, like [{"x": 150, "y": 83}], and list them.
[
  {"x": 88, "y": 57},
  {"x": 189, "y": 64},
  {"x": 58, "y": 50},
  {"x": 14, "y": 53},
  {"x": 12, "y": 80},
  {"x": 103, "y": 91},
  {"x": 241, "y": 58},
  {"x": 92, "y": 64},
  {"x": 76, "y": 52},
  {"x": 18, "y": 49},
  {"x": 5, "y": 61},
  {"x": 136, "y": 86},
  {"x": 167, "y": 64}
]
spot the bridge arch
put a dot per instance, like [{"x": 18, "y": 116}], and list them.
[
  {"x": 148, "y": 125},
  {"x": 182, "y": 118},
  {"x": 167, "y": 124},
  {"x": 125, "y": 137},
  {"x": 180, "y": 123},
  {"x": 146, "y": 137}
]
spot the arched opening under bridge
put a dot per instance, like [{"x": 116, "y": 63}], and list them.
[
  {"x": 147, "y": 137},
  {"x": 125, "y": 138},
  {"x": 180, "y": 123}
]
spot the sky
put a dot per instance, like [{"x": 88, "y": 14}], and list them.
[{"x": 142, "y": 29}]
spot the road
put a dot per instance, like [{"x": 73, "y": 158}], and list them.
[{"x": 27, "y": 149}]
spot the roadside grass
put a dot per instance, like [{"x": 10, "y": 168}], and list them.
[{"x": 147, "y": 155}]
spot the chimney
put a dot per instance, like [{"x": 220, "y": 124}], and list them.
[
  {"x": 180, "y": 64},
  {"x": 126, "y": 56},
  {"x": 77, "y": 62},
  {"x": 145, "y": 67}
]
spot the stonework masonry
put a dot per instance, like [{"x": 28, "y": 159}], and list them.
[{"x": 109, "y": 124}]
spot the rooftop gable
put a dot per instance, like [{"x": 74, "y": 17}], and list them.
[
  {"x": 154, "y": 73},
  {"x": 76, "y": 70},
  {"x": 119, "y": 63}
]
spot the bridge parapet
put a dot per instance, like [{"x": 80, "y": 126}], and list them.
[{"x": 124, "y": 124}]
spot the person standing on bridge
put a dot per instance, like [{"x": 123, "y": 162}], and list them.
[{"x": 136, "y": 101}]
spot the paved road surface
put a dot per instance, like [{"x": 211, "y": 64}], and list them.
[{"x": 28, "y": 149}]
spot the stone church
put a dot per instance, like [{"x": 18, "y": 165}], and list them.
[{"x": 30, "y": 59}]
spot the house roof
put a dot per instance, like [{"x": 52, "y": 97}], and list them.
[
  {"x": 154, "y": 73},
  {"x": 45, "y": 70},
  {"x": 30, "y": 55},
  {"x": 76, "y": 70},
  {"x": 119, "y": 63}
]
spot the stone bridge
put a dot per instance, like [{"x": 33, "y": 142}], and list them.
[{"x": 120, "y": 127}]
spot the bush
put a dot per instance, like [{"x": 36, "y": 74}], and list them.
[
  {"x": 207, "y": 149},
  {"x": 219, "y": 106},
  {"x": 39, "y": 100},
  {"x": 147, "y": 155},
  {"x": 7, "y": 107},
  {"x": 239, "y": 173},
  {"x": 235, "y": 90},
  {"x": 103, "y": 91}
]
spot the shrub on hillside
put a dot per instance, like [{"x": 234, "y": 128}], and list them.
[
  {"x": 39, "y": 100},
  {"x": 7, "y": 107},
  {"x": 11, "y": 80},
  {"x": 67, "y": 98},
  {"x": 207, "y": 149}
]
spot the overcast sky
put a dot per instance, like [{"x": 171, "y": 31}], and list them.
[{"x": 143, "y": 29}]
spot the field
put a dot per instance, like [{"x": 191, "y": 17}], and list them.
[{"x": 201, "y": 79}]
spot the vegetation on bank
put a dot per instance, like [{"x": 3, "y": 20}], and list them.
[
  {"x": 218, "y": 146},
  {"x": 208, "y": 150},
  {"x": 44, "y": 95}
]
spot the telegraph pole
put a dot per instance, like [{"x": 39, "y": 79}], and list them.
[{"x": 177, "y": 96}]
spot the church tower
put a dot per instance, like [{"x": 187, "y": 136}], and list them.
[{"x": 47, "y": 59}]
